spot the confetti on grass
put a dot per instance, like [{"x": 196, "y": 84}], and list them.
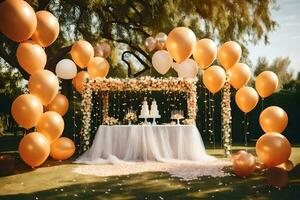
[{"x": 186, "y": 171}]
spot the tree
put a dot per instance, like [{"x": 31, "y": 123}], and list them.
[
  {"x": 279, "y": 66},
  {"x": 126, "y": 24},
  {"x": 262, "y": 65},
  {"x": 11, "y": 81},
  {"x": 11, "y": 86}
]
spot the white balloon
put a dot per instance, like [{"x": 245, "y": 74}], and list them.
[
  {"x": 187, "y": 69},
  {"x": 162, "y": 61},
  {"x": 66, "y": 69}
]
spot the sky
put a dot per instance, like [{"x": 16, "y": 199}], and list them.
[{"x": 285, "y": 40}]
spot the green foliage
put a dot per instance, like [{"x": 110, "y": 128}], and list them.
[
  {"x": 126, "y": 24},
  {"x": 11, "y": 81}
]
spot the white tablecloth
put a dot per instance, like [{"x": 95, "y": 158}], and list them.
[{"x": 165, "y": 143}]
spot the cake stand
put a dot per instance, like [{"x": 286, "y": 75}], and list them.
[
  {"x": 154, "y": 117},
  {"x": 177, "y": 117},
  {"x": 144, "y": 117}
]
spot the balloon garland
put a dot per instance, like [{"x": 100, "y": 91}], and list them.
[{"x": 43, "y": 29}]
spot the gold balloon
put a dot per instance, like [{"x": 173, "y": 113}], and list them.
[
  {"x": 162, "y": 61},
  {"x": 239, "y": 75},
  {"x": 244, "y": 164},
  {"x": 273, "y": 149},
  {"x": 205, "y": 52},
  {"x": 214, "y": 78},
  {"x": 79, "y": 80},
  {"x": 161, "y": 39},
  {"x": 82, "y": 52},
  {"x": 106, "y": 49},
  {"x": 34, "y": 149},
  {"x": 62, "y": 149},
  {"x": 51, "y": 124},
  {"x": 150, "y": 43},
  {"x": 266, "y": 83},
  {"x": 47, "y": 28},
  {"x": 180, "y": 43},
  {"x": 59, "y": 104},
  {"x": 235, "y": 155},
  {"x": 277, "y": 177},
  {"x": 18, "y": 20},
  {"x": 273, "y": 119},
  {"x": 27, "y": 110},
  {"x": 229, "y": 54},
  {"x": 44, "y": 85},
  {"x": 102, "y": 50},
  {"x": 98, "y": 51},
  {"x": 98, "y": 67},
  {"x": 287, "y": 166},
  {"x": 246, "y": 99},
  {"x": 31, "y": 56}
]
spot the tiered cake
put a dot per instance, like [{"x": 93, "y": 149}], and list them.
[
  {"x": 154, "y": 111},
  {"x": 145, "y": 109}
]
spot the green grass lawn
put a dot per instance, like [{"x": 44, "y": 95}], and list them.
[{"x": 55, "y": 180}]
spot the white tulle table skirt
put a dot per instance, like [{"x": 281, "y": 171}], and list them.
[{"x": 164, "y": 143}]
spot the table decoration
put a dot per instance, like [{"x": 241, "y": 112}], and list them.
[
  {"x": 110, "y": 121},
  {"x": 177, "y": 115},
  {"x": 130, "y": 116}
]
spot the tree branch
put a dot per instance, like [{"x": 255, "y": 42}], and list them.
[
  {"x": 130, "y": 26},
  {"x": 108, "y": 21},
  {"x": 127, "y": 63},
  {"x": 147, "y": 67}
]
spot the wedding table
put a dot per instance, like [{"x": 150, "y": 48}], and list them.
[{"x": 164, "y": 143}]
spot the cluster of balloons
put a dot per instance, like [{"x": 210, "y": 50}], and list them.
[
  {"x": 85, "y": 56},
  {"x": 272, "y": 148},
  {"x": 181, "y": 43},
  {"x": 156, "y": 43},
  {"x": 178, "y": 46},
  {"x": 244, "y": 164},
  {"x": 247, "y": 98},
  {"x": 273, "y": 120},
  {"x": 34, "y": 31}
]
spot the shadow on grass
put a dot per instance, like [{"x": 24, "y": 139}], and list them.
[
  {"x": 21, "y": 167},
  {"x": 163, "y": 186}
]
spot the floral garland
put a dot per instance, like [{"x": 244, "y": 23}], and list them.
[
  {"x": 86, "y": 108},
  {"x": 106, "y": 85},
  {"x": 110, "y": 121},
  {"x": 226, "y": 118},
  {"x": 189, "y": 121}
]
